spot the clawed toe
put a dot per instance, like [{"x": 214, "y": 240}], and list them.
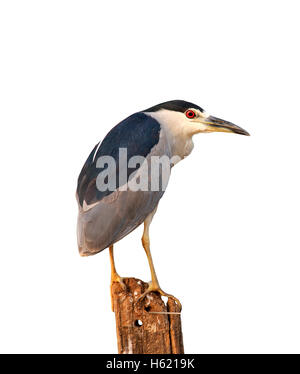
[
  {"x": 116, "y": 279},
  {"x": 152, "y": 288}
]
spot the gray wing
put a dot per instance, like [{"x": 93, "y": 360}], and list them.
[{"x": 105, "y": 217}]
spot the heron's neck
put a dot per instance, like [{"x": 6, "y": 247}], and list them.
[{"x": 180, "y": 140}]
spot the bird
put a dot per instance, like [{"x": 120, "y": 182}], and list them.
[{"x": 109, "y": 208}]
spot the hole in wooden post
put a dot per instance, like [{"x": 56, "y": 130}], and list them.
[
  {"x": 138, "y": 323},
  {"x": 148, "y": 308}
]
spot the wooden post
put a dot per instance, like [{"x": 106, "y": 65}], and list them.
[{"x": 147, "y": 326}]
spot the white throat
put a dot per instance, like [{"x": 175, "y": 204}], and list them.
[{"x": 178, "y": 133}]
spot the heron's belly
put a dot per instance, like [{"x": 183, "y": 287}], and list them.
[{"x": 113, "y": 218}]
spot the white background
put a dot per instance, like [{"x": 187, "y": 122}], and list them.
[{"x": 225, "y": 239}]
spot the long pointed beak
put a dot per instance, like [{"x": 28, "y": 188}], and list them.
[{"x": 217, "y": 124}]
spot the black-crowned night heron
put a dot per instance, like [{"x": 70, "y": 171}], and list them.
[{"x": 118, "y": 188}]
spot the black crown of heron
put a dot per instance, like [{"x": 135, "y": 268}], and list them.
[{"x": 107, "y": 216}]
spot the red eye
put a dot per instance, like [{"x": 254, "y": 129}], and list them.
[{"x": 190, "y": 114}]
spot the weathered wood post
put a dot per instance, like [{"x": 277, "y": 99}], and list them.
[{"x": 148, "y": 326}]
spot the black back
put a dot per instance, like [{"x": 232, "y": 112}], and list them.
[{"x": 139, "y": 133}]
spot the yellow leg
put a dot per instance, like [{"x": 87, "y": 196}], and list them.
[
  {"x": 153, "y": 285},
  {"x": 114, "y": 275}
]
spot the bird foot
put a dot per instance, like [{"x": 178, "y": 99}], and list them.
[
  {"x": 156, "y": 288},
  {"x": 115, "y": 278}
]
